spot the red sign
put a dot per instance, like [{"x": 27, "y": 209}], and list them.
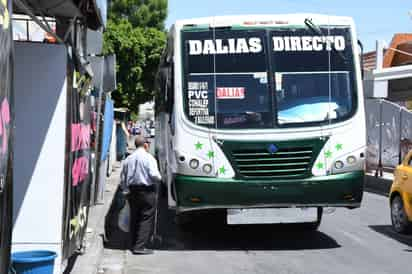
[{"x": 230, "y": 93}]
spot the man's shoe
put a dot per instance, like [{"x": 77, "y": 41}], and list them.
[{"x": 142, "y": 251}]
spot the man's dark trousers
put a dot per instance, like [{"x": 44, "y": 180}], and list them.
[{"x": 142, "y": 209}]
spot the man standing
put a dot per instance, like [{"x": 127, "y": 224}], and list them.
[{"x": 139, "y": 177}]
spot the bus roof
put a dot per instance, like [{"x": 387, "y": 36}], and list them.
[{"x": 264, "y": 20}]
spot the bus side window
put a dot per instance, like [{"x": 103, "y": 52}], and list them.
[
  {"x": 169, "y": 89},
  {"x": 166, "y": 94},
  {"x": 166, "y": 83},
  {"x": 170, "y": 98},
  {"x": 161, "y": 89}
]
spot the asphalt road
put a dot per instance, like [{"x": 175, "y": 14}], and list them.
[{"x": 348, "y": 241}]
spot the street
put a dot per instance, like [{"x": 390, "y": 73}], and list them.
[{"x": 348, "y": 241}]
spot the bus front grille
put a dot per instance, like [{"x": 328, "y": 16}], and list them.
[{"x": 285, "y": 163}]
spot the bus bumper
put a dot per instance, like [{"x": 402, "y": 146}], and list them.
[{"x": 198, "y": 193}]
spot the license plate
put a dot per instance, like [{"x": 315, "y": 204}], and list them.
[{"x": 271, "y": 215}]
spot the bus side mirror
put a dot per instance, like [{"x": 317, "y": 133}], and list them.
[{"x": 361, "y": 57}]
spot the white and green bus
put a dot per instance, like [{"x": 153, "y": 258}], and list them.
[{"x": 262, "y": 117}]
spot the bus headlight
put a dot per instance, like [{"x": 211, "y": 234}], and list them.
[
  {"x": 339, "y": 165},
  {"x": 207, "y": 168},
  {"x": 194, "y": 163},
  {"x": 351, "y": 160}
]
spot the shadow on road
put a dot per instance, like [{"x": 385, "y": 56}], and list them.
[
  {"x": 211, "y": 233},
  {"x": 388, "y": 231},
  {"x": 251, "y": 237}
]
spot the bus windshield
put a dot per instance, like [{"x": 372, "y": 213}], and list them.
[{"x": 260, "y": 78}]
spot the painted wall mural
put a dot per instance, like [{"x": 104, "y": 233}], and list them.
[{"x": 6, "y": 120}]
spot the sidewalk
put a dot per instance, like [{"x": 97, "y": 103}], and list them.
[{"x": 88, "y": 262}]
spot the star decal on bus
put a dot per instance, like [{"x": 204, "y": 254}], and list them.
[
  {"x": 199, "y": 145},
  {"x": 211, "y": 154},
  {"x": 328, "y": 154},
  {"x": 222, "y": 170},
  {"x": 320, "y": 165},
  {"x": 339, "y": 147}
]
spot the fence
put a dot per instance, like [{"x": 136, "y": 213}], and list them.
[{"x": 389, "y": 135}]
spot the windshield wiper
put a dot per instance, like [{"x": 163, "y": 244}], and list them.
[{"x": 315, "y": 29}]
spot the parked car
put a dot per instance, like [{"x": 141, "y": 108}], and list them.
[{"x": 400, "y": 196}]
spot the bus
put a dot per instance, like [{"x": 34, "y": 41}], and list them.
[{"x": 261, "y": 117}]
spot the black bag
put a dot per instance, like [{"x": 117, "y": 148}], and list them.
[{"x": 114, "y": 237}]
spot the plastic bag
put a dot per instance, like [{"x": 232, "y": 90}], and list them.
[{"x": 124, "y": 218}]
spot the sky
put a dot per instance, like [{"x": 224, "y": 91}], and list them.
[{"x": 374, "y": 19}]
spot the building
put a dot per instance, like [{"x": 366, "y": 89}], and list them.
[
  {"x": 396, "y": 53},
  {"x": 388, "y": 104},
  {"x": 390, "y": 69}
]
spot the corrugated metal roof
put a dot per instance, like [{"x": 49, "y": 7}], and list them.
[
  {"x": 398, "y": 39},
  {"x": 94, "y": 11}
]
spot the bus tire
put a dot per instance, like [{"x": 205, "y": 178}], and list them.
[
  {"x": 400, "y": 222},
  {"x": 313, "y": 226}
]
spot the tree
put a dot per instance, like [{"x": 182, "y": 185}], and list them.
[
  {"x": 135, "y": 33},
  {"x": 140, "y": 13}
]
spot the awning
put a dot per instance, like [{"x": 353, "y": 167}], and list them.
[
  {"x": 94, "y": 11},
  {"x": 394, "y": 83}
]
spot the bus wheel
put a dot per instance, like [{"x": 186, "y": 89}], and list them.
[
  {"x": 400, "y": 222},
  {"x": 313, "y": 226}
]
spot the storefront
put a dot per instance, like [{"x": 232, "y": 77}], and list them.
[{"x": 55, "y": 121}]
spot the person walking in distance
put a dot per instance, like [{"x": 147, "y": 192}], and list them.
[{"x": 139, "y": 178}]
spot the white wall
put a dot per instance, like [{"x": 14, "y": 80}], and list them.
[
  {"x": 39, "y": 146},
  {"x": 146, "y": 111}
]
